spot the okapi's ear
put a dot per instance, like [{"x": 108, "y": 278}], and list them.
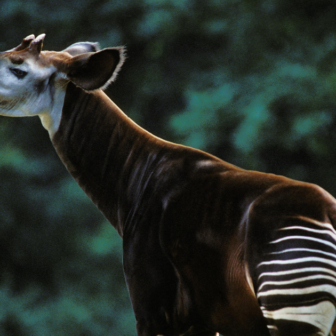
[{"x": 97, "y": 70}]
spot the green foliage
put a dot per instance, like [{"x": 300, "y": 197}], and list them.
[{"x": 251, "y": 81}]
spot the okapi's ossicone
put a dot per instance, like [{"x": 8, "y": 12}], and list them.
[{"x": 208, "y": 247}]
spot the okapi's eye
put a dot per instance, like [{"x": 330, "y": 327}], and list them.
[{"x": 20, "y": 74}]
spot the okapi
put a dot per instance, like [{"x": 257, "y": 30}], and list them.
[{"x": 207, "y": 247}]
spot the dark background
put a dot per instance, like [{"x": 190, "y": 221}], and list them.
[{"x": 250, "y": 81}]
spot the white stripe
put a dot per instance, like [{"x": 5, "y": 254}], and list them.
[
  {"x": 331, "y": 234},
  {"x": 321, "y": 315},
  {"x": 298, "y": 260},
  {"x": 288, "y": 282},
  {"x": 304, "y": 238},
  {"x": 321, "y": 224},
  {"x": 296, "y": 271},
  {"x": 305, "y": 250},
  {"x": 272, "y": 327},
  {"x": 300, "y": 291}
]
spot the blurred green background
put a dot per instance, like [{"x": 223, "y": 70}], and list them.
[{"x": 250, "y": 81}]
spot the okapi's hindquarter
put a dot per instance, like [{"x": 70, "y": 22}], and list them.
[{"x": 291, "y": 254}]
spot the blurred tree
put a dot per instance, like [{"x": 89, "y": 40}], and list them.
[{"x": 251, "y": 81}]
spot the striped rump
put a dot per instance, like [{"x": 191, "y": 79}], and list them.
[{"x": 297, "y": 280}]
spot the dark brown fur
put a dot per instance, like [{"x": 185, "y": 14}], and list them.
[{"x": 183, "y": 215}]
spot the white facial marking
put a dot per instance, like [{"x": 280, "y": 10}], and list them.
[
  {"x": 52, "y": 118},
  {"x": 22, "y": 87},
  {"x": 30, "y": 89}
]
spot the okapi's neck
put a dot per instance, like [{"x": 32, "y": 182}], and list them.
[{"x": 111, "y": 158}]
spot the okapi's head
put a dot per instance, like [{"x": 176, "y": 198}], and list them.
[{"x": 33, "y": 82}]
